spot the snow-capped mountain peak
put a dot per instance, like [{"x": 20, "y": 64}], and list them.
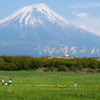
[
  {"x": 37, "y": 25},
  {"x": 34, "y": 15}
]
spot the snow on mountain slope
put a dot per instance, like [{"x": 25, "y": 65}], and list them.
[
  {"x": 37, "y": 25},
  {"x": 28, "y": 16}
]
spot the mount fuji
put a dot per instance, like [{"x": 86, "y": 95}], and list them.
[{"x": 37, "y": 25}]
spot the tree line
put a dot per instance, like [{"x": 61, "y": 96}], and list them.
[{"x": 13, "y": 63}]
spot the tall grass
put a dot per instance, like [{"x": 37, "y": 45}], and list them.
[{"x": 86, "y": 89}]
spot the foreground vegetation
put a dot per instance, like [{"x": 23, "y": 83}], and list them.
[
  {"x": 87, "y": 86},
  {"x": 49, "y": 64}
]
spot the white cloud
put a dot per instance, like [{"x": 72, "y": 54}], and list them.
[
  {"x": 86, "y": 5},
  {"x": 87, "y": 21},
  {"x": 90, "y": 24},
  {"x": 89, "y": 29},
  {"x": 80, "y": 15}
]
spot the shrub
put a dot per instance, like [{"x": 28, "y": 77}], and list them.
[
  {"x": 62, "y": 68},
  {"x": 80, "y": 67},
  {"x": 98, "y": 70},
  {"x": 69, "y": 64},
  {"x": 72, "y": 68},
  {"x": 90, "y": 70},
  {"x": 95, "y": 65}
]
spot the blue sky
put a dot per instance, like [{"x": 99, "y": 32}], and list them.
[{"x": 84, "y": 13}]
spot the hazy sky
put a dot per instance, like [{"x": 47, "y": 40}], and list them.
[{"x": 84, "y": 13}]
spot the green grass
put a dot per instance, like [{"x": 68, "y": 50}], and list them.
[{"x": 86, "y": 89}]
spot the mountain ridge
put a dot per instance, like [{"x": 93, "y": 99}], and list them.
[{"x": 36, "y": 25}]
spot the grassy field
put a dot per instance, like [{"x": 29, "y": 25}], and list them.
[{"x": 50, "y": 86}]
